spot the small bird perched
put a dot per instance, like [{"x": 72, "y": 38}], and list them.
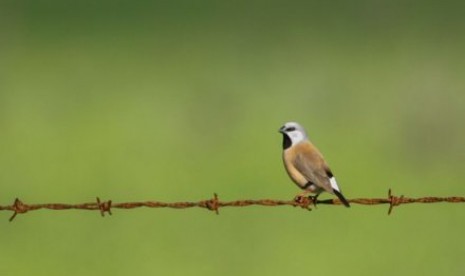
[{"x": 305, "y": 165}]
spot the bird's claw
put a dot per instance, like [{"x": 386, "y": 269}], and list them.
[{"x": 314, "y": 200}]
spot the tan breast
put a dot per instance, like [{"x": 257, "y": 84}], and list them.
[
  {"x": 289, "y": 156},
  {"x": 304, "y": 163}
]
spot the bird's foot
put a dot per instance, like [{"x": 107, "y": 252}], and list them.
[{"x": 314, "y": 200}]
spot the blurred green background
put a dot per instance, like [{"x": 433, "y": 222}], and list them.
[{"x": 175, "y": 100}]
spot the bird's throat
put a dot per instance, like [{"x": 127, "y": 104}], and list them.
[{"x": 287, "y": 143}]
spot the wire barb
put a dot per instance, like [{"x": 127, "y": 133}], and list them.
[
  {"x": 304, "y": 202},
  {"x": 104, "y": 206},
  {"x": 394, "y": 201},
  {"x": 214, "y": 204},
  {"x": 19, "y": 208}
]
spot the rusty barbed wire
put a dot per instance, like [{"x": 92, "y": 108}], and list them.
[{"x": 214, "y": 204}]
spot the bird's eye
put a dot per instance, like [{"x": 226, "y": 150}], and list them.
[{"x": 290, "y": 129}]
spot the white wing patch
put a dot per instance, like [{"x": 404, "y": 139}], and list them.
[{"x": 333, "y": 183}]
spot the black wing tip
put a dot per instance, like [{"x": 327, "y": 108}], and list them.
[{"x": 342, "y": 198}]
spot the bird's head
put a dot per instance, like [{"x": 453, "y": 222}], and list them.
[{"x": 293, "y": 133}]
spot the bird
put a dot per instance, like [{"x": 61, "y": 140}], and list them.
[{"x": 305, "y": 165}]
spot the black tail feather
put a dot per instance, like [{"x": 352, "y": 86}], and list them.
[{"x": 341, "y": 198}]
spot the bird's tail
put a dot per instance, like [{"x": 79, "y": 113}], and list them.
[{"x": 341, "y": 198}]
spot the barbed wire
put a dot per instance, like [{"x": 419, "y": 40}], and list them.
[{"x": 214, "y": 204}]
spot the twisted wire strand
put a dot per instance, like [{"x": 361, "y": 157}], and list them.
[{"x": 214, "y": 204}]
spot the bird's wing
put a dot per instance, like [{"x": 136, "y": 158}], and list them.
[{"x": 310, "y": 163}]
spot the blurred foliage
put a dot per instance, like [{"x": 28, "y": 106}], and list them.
[{"x": 175, "y": 100}]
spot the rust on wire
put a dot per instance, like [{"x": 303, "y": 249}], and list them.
[{"x": 214, "y": 204}]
